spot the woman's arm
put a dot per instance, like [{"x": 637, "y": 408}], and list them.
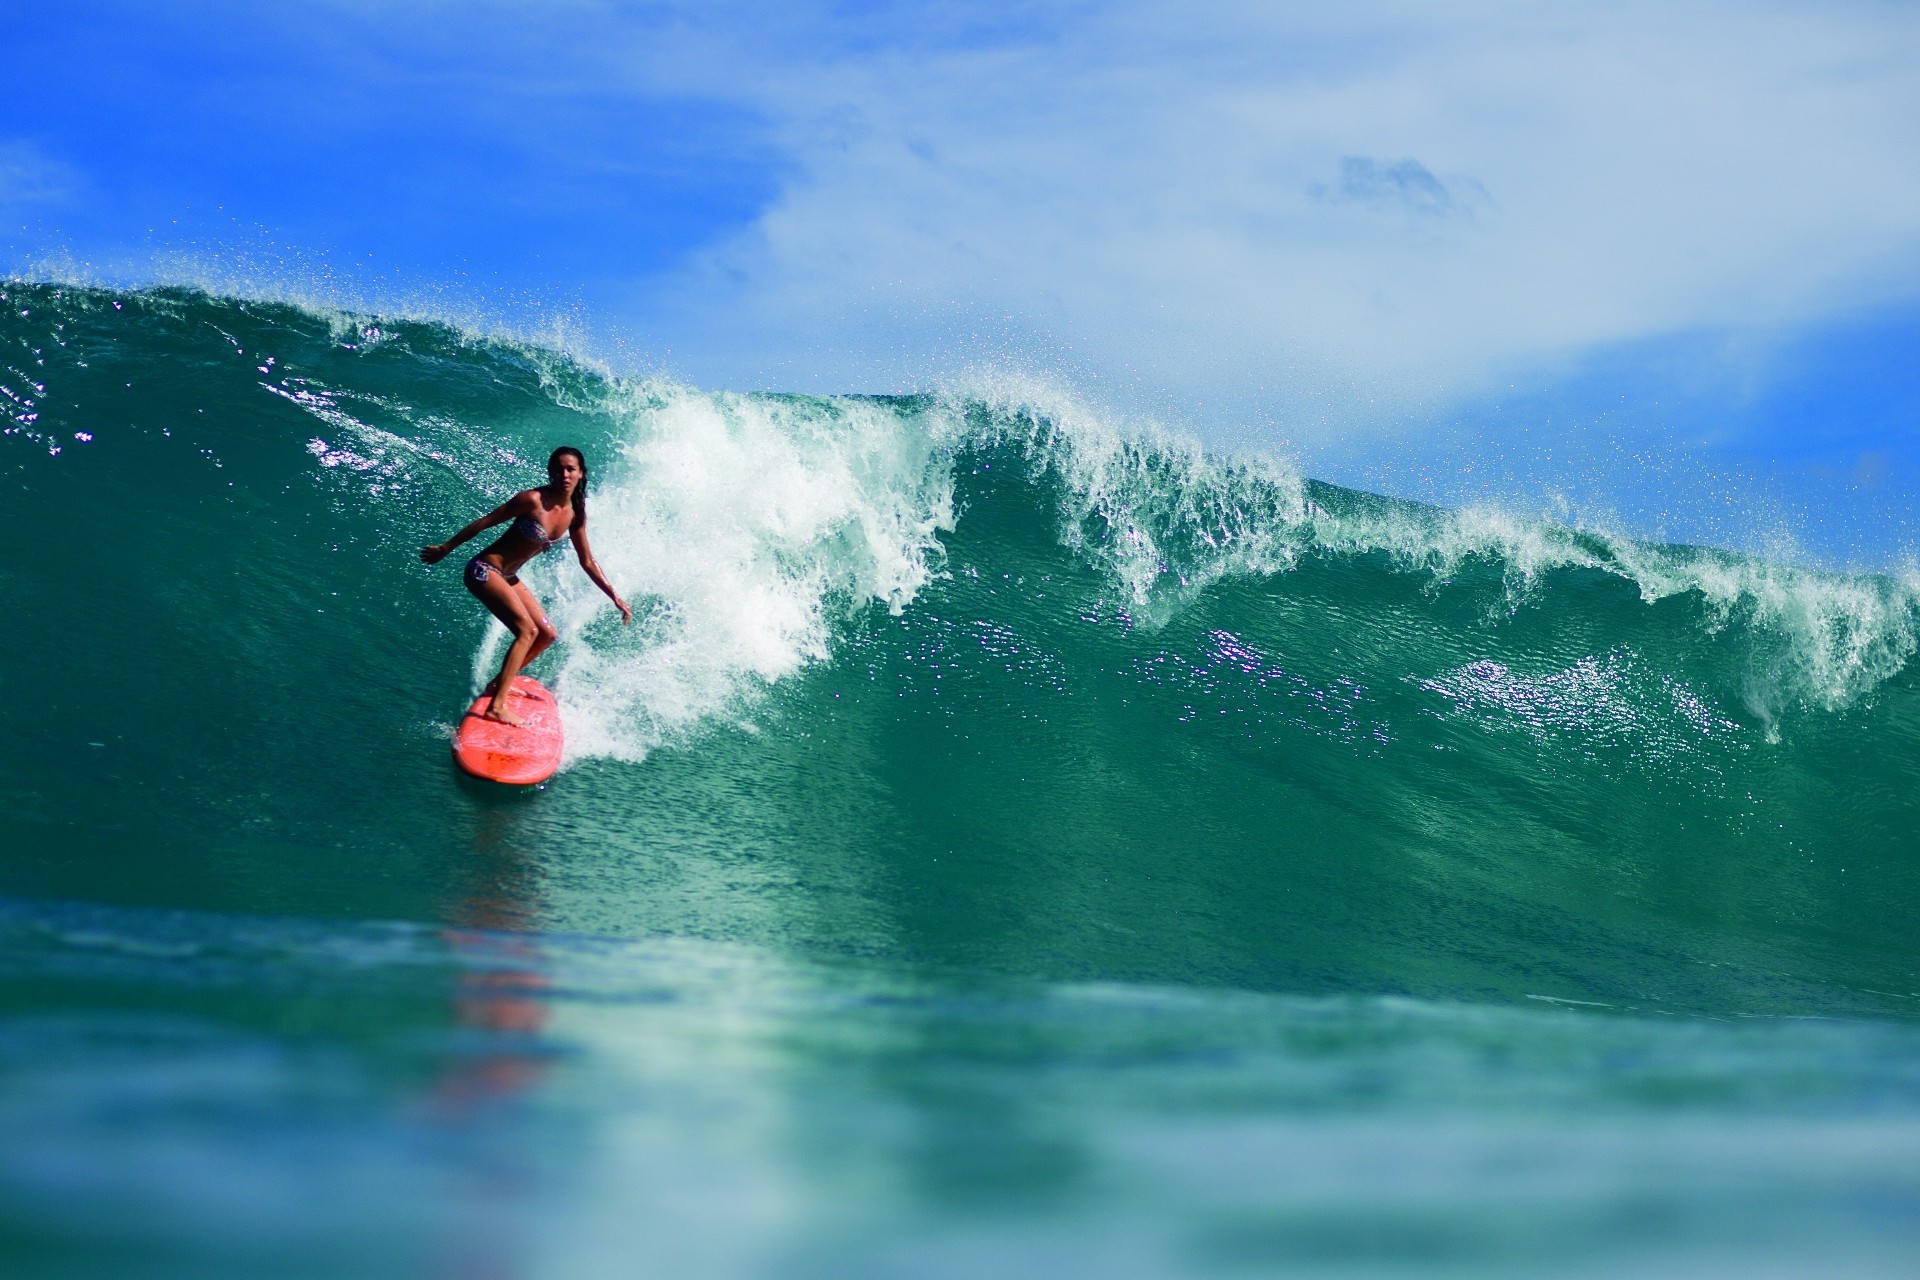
[
  {"x": 519, "y": 504},
  {"x": 592, "y": 567}
]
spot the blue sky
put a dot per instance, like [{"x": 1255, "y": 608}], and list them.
[{"x": 1659, "y": 260}]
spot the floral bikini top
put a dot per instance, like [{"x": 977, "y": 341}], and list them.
[{"x": 532, "y": 530}]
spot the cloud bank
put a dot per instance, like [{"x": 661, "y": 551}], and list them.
[{"x": 1283, "y": 211}]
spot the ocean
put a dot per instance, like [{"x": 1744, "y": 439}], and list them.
[{"x": 1008, "y": 841}]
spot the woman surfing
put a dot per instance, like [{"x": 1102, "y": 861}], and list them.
[{"x": 542, "y": 519}]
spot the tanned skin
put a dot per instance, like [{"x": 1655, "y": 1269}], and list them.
[{"x": 552, "y": 507}]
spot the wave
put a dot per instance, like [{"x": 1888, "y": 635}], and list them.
[
  {"x": 755, "y": 520},
  {"x": 1028, "y": 597}
]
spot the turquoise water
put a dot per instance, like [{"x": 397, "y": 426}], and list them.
[{"x": 1004, "y": 844}]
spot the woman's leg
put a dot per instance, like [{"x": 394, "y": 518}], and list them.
[
  {"x": 492, "y": 589},
  {"x": 547, "y": 634}
]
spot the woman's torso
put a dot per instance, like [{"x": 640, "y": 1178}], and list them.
[{"x": 529, "y": 535}]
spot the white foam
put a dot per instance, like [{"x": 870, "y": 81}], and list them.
[
  {"x": 738, "y": 526},
  {"x": 1162, "y": 514}
]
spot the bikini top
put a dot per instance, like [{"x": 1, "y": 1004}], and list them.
[{"x": 531, "y": 529}]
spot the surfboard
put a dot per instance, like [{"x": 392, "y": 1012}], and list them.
[{"x": 516, "y": 755}]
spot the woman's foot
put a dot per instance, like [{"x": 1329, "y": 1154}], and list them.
[{"x": 502, "y": 715}]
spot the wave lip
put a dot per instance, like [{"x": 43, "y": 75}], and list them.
[{"x": 754, "y": 522}]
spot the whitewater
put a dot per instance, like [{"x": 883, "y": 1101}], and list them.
[{"x": 1007, "y": 839}]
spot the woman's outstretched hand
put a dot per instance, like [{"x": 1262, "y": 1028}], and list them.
[
  {"x": 434, "y": 554},
  {"x": 626, "y": 614}
]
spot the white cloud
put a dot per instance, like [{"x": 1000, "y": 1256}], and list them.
[{"x": 1285, "y": 209}]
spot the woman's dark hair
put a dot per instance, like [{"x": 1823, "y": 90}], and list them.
[{"x": 579, "y": 493}]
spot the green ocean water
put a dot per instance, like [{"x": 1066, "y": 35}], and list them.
[{"x": 1004, "y": 843}]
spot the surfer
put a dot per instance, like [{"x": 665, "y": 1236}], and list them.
[{"x": 542, "y": 519}]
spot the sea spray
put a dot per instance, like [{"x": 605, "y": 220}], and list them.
[{"x": 748, "y": 524}]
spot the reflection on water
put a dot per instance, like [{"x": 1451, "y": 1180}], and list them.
[
  {"x": 500, "y": 982},
  {"x": 500, "y": 986},
  {"x": 218, "y": 1096}
]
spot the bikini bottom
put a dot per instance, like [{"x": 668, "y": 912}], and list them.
[{"x": 478, "y": 571}]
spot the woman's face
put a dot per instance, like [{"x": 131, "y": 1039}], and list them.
[{"x": 565, "y": 471}]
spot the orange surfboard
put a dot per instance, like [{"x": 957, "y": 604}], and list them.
[{"x": 516, "y": 755}]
